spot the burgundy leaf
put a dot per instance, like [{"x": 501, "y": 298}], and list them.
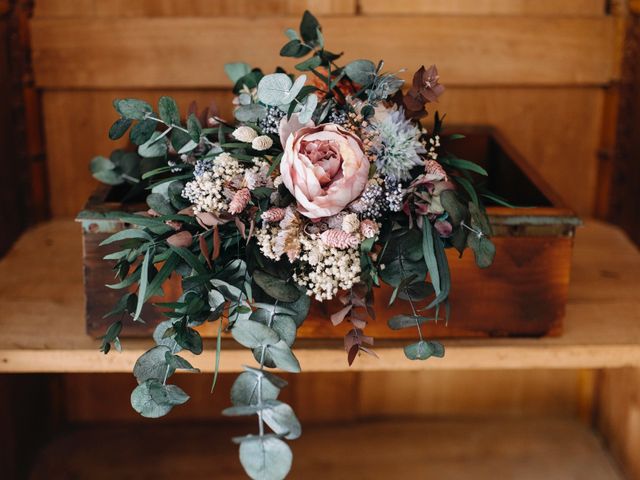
[
  {"x": 205, "y": 250},
  {"x": 338, "y": 317},
  {"x": 180, "y": 239},
  {"x": 351, "y": 356}
]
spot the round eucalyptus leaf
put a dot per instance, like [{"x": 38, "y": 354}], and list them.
[
  {"x": 273, "y": 88},
  {"x": 152, "y": 365},
  {"x": 249, "y": 386},
  {"x": 362, "y": 72},
  {"x": 167, "y": 394},
  {"x": 252, "y": 334},
  {"x": 169, "y": 342},
  {"x": 153, "y": 147},
  {"x": 284, "y": 325},
  {"x": 275, "y": 287},
  {"x": 283, "y": 421},
  {"x": 265, "y": 457},
  {"x": 132, "y": 108},
  {"x": 294, "y": 90},
  {"x": 143, "y": 402},
  {"x": 308, "y": 107},
  {"x": 423, "y": 350},
  {"x": 283, "y": 357},
  {"x": 250, "y": 113},
  {"x": 398, "y": 322}
]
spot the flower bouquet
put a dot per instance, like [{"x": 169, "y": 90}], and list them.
[{"x": 325, "y": 187}]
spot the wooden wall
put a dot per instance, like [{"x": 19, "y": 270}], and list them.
[{"x": 540, "y": 70}]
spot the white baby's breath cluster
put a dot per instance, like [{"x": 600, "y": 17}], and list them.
[
  {"x": 215, "y": 185},
  {"x": 323, "y": 270},
  {"x": 434, "y": 143}
]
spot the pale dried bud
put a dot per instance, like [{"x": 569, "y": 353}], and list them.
[
  {"x": 239, "y": 201},
  {"x": 369, "y": 228},
  {"x": 273, "y": 215},
  {"x": 339, "y": 239},
  {"x": 433, "y": 168},
  {"x": 263, "y": 142},
  {"x": 244, "y": 134},
  {"x": 350, "y": 223}
]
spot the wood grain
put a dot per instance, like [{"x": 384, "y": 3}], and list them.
[
  {"x": 484, "y": 7},
  {"x": 43, "y": 320},
  {"x": 189, "y": 8},
  {"x": 471, "y": 51},
  {"x": 438, "y": 448}
]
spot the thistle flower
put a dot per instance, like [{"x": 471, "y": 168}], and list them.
[{"x": 398, "y": 147}]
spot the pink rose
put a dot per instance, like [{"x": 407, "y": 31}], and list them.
[{"x": 324, "y": 167}]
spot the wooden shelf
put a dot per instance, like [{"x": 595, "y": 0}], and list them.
[
  {"x": 435, "y": 448},
  {"x": 42, "y": 319}
]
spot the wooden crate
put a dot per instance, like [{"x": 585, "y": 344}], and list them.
[{"x": 522, "y": 294}]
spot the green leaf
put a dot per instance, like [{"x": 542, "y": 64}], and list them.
[
  {"x": 398, "y": 322},
  {"x": 461, "y": 164},
  {"x": 128, "y": 234},
  {"x": 469, "y": 188},
  {"x": 153, "y": 365},
  {"x": 144, "y": 283},
  {"x": 416, "y": 291},
  {"x": 168, "y": 109},
  {"x": 308, "y": 107},
  {"x": 428, "y": 251},
  {"x": 176, "y": 362},
  {"x": 278, "y": 89},
  {"x": 284, "y": 325},
  {"x": 249, "y": 387},
  {"x": 309, "y": 27},
  {"x": 265, "y": 457},
  {"x": 194, "y": 127},
  {"x": 132, "y": 108},
  {"x": 250, "y": 113},
  {"x": 167, "y": 394},
  {"x": 277, "y": 288},
  {"x": 142, "y": 131},
  {"x": 283, "y": 357},
  {"x": 235, "y": 71},
  {"x": 189, "y": 339},
  {"x": 154, "y": 147},
  {"x": 283, "y": 421},
  {"x": 362, "y": 72},
  {"x": 291, "y": 34},
  {"x": 423, "y": 350},
  {"x": 160, "y": 204},
  {"x": 300, "y": 307},
  {"x": 483, "y": 249},
  {"x": 119, "y": 128},
  {"x": 162, "y": 340},
  {"x": 308, "y": 64},
  {"x": 294, "y": 48},
  {"x": 252, "y": 334},
  {"x": 143, "y": 402},
  {"x": 456, "y": 209}
]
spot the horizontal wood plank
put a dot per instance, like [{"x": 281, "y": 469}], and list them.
[
  {"x": 191, "y": 52},
  {"x": 43, "y": 328},
  {"x": 188, "y": 8},
  {"x": 455, "y": 449},
  {"x": 484, "y": 7}
]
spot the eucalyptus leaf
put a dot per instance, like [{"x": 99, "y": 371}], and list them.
[
  {"x": 283, "y": 357},
  {"x": 483, "y": 249},
  {"x": 273, "y": 89},
  {"x": 152, "y": 365},
  {"x": 160, "y": 339},
  {"x": 252, "y": 334},
  {"x": 398, "y": 322},
  {"x": 275, "y": 287},
  {"x": 283, "y": 421},
  {"x": 265, "y": 457},
  {"x": 132, "y": 108},
  {"x": 143, "y": 402},
  {"x": 249, "y": 388},
  {"x": 119, "y": 128},
  {"x": 142, "y": 131},
  {"x": 284, "y": 325},
  {"x": 362, "y": 72},
  {"x": 167, "y": 394},
  {"x": 423, "y": 350},
  {"x": 308, "y": 107},
  {"x": 154, "y": 147},
  {"x": 235, "y": 71},
  {"x": 168, "y": 109},
  {"x": 160, "y": 204},
  {"x": 294, "y": 90},
  {"x": 250, "y": 113}
]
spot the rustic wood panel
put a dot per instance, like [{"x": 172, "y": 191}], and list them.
[
  {"x": 475, "y": 51},
  {"x": 330, "y": 397},
  {"x": 484, "y": 7},
  {"x": 76, "y": 124},
  {"x": 43, "y": 326},
  {"x": 482, "y": 449},
  {"x": 618, "y": 415},
  {"x": 189, "y": 8}
]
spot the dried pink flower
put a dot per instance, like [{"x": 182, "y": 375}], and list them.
[
  {"x": 339, "y": 239},
  {"x": 434, "y": 170},
  {"x": 239, "y": 201},
  {"x": 369, "y": 228},
  {"x": 273, "y": 215}
]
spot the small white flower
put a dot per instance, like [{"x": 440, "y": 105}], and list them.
[
  {"x": 350, "y": 223},
  {"x": 244, "y": 134},
  {"x": 263, "y": 142}
]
